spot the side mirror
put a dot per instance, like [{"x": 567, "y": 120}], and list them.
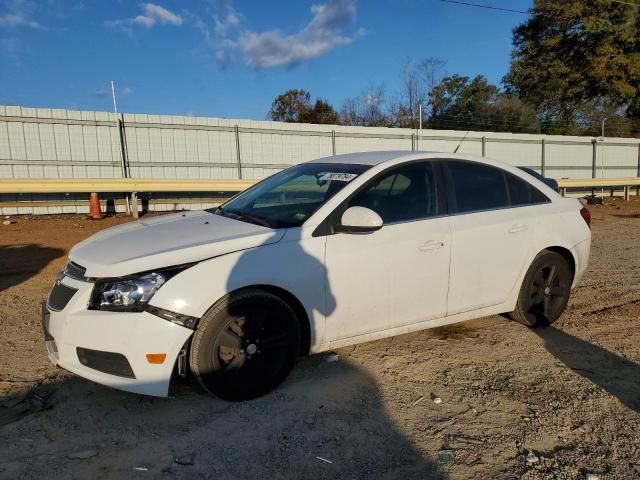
[{"x": 359, "y": 220}]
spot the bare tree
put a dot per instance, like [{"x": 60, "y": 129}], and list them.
[
  {"x": 417, "y": 79},
  {"x": 350, "y": 114},
  {"x": 368, "y": 109},
  {"x": 373, "y": 107}
]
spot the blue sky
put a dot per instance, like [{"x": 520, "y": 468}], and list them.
[{"x": 231, "y": 58}]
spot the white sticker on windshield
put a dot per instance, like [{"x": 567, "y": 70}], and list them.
[{"x": 339, "y": 177}]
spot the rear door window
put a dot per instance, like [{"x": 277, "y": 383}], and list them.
[
  {"x": 477, "y": 187},
  {"x": 522, "y": 192}
]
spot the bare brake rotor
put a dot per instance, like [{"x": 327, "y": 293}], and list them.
[{"x": 227, "y": 354}]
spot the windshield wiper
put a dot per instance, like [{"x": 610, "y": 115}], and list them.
[{"x": 241, "y": 215}]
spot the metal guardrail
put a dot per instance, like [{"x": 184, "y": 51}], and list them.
[
  {"x": 119, "y": 185},
  {"x": 605, "y": 183},
  {"x": 128, "y": 186},
  {"x": 134, "y": 186}
]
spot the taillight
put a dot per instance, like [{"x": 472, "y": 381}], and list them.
[{"x": 586, "y": 215}]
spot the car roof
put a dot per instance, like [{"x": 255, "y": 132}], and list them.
[
  {"x": 379, "y": 157},
  {"x": 367, "y": 158}
]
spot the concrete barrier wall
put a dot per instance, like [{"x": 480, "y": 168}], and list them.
[{"x": 56, "y": 143}]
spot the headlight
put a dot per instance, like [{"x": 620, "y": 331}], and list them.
[{"x": 130, "y": 293}]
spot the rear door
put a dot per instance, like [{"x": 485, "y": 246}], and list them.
[{"x": 491, "y": 226}]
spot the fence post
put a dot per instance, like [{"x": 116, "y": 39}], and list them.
[
  {"x": 238, "y": 152},
  {"x": 542, "y": 158},
  {"x": 124, "y": 157},
  {"x": 638, "y": 173},
  {"x": 594, "y": 157},
  {"x": 333, "y": 142},
  {"x": 123, "y": 145},
  {"x": 484, "y": 146},
  {"x": 413, "y": 142}
]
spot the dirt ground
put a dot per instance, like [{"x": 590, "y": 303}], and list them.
[{"x": 560, "y": 402}]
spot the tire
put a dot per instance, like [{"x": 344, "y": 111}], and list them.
[
  {"x": 545, "y": 291},
  {"x": 245, "y": 345}
]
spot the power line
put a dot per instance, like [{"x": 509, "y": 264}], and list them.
[
  {"x": 480, "y": 121},
  {"x": 501, "y": 9},
  {"x": 489, "y": 7},
  {"x": 637, "y": 5}
]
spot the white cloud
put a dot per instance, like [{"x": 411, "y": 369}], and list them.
[
  {"x": 155, "y": 13},
  {"x": 324, "y": 32},
  {"x": 152, "y": 14},
  {"x": 12, "y": 20},
  {"x": 104, "y": 92},
  {"x": 18, "y": 14},
  {"x": 100, "y": 93}
]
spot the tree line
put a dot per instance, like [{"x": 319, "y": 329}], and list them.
[{"x": 575, "y": 67}]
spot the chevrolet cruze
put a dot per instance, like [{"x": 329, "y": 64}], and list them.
[{"x": 329, "y": 253}]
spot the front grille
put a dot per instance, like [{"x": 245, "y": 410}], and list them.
[
  {"x": 106, "y": 362},
  {"x": 60, "y": 296}
]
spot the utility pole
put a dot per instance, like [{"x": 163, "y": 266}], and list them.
[
  {"x": 417, "y": 146},
  {"x": 113, "y": 95},
  {"x": 123, "y": 151}
]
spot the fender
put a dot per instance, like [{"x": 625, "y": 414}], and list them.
[{"x": 294, "y": 264}]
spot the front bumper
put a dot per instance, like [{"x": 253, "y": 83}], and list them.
[{"x": 131, "y": 335}]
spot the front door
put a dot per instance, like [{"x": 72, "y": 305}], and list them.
[{"x": 399, "y": 274}]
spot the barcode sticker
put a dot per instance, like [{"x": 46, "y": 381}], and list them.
[{"x": 339, "y": 177}]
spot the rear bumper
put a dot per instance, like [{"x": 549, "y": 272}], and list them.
[
  {"x": 128, "y": 335},
  {"x": 581, "y": 252}
]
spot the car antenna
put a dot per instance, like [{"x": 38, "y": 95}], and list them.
[{"x": 465, "y": 136}]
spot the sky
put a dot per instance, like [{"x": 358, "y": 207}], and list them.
[{"x": 231, "y": 58}]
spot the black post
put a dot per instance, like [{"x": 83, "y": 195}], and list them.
[
  {"x": 594, "y": 156},
  {"x": 542, "y": 159},
  {"x": 333, "y": 142},
  {"x": 238, "y": 152},
  {"x": 123, "y": 146}
]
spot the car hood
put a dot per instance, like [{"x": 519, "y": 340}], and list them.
[{"x": 166, "y": 241}]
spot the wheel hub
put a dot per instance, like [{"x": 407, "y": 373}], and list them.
[
  {"x": 252, "y": 348},
  {"x": 547, "y": 290}
]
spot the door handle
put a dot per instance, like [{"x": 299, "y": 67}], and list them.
[
  {"x": 431, "y": 245},
  {"x": 518, "y": 227}
]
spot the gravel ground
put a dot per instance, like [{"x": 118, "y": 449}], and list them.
[{"x": 560, "y": 402}]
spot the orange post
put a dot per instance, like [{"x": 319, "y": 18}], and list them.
[{"x": 95, "y": 213}]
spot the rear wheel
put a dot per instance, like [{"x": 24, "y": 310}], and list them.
[
  {"x": 245, "y": 346},
  {"x": 545, "y": 290}
]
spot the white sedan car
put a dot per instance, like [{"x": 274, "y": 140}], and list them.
[{"x": 333, "y": 252}]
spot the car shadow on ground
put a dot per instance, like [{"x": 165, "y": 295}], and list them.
[
  {"x": 326, "y": 421},
  {"x": 617, "y": 375},
  {"x": 19, "y": 263}
]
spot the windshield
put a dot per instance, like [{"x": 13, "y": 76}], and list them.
[{"x": 288, "y": 198}]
